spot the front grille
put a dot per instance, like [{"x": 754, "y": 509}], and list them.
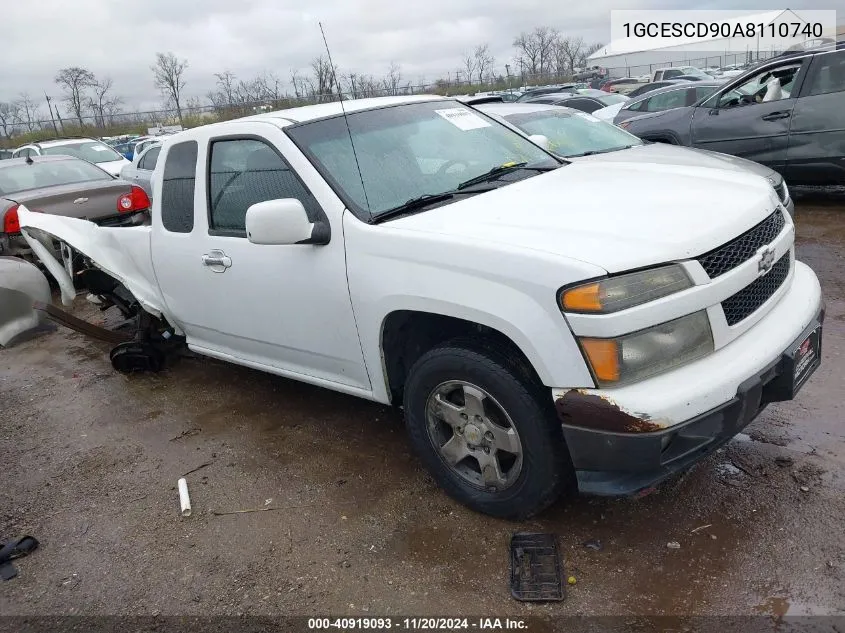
[
  {"x": 729, "y": 256},
  {"x": 745, "y": 302}
]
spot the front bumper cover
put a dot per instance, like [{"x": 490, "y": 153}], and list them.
[{"x": 634, "y": 458}]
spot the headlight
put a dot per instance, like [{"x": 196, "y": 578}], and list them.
[
  {"x": 625, "y": 291},
  {"x": 632, "y": 357}
]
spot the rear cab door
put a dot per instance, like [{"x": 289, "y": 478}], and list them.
[
  {"x": 280, "y": 308},
  {"x": 751, "y": 117},
  {"x": 816, "y": 151}
]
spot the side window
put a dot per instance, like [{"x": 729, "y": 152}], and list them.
[
  {"x": 700, "y": 93},
  {"x": 669, "y": 74},
  {"x": 148, "y": 162},
  {"x": 243, "y": 172},
  {"x": 667, "y": 100},
  {"x": 773, "y": 84},
  {"x": 177, "y": 188},
  {"x": 638, "y": 106},
  {"x": 827, "y": 74}
]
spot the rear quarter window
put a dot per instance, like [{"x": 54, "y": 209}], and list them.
[{"x": 177, "y": 187}]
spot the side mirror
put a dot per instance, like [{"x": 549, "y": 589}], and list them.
[
  {"x": 283, "y": 221},
  {"x": 541, "y": 140}
]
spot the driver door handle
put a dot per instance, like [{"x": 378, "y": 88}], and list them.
[
  {"x": 774, "y": 116},
  {"x": 217, "y": 260}
]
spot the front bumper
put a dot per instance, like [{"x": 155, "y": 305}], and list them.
[{"x": 617, "y": 451}]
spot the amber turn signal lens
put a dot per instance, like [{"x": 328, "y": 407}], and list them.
[
  {"x": 583, "y": 298},
  {"x": 603, "y": 355}
]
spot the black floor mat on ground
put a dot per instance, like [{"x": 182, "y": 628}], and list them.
[{"x": 535, "y": 567}]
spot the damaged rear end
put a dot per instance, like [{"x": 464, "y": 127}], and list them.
[{"x": 114, "y": 267}]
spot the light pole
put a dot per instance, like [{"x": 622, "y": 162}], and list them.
[{"x": 50, "y": 108}]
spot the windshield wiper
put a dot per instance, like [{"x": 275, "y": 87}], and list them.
[
  {"x": 593, "y": 152},
  {"x": 414, "y": 204},
  {"x": 501, "y": 169}
]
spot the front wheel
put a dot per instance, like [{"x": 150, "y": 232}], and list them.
[{"x": 485, "y": 434}]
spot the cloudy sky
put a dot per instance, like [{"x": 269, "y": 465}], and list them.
[{"x": 119, "y": 38}]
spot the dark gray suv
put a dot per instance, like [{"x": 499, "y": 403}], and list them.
[{"x": 787, "y": 113}]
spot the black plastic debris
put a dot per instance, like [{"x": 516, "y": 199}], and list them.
[
  {"x": 594, "y": 544},
  {"x": 12, "y": 550},
  {"x": 535, "y": 567}
]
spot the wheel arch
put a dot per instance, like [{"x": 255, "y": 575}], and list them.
[{"x": 406, "y": 334}]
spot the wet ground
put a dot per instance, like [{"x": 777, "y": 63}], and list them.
[{"x": 348, "y": 522}]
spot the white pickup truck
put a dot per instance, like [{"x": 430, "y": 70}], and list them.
[{"x": 541, "y": 332}]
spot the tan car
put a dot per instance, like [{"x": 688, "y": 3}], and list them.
[{"x": 63, "y": 185}]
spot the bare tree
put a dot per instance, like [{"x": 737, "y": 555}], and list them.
[
  {"x": 572, "y": 50},
  {"x": 483, "y": 61},
  {"x": 8, "y": 116},
  {"x": 393, "y": 78},
  {"x": 535, "y": 49},
  {"x": 168, "y": 71},
  {"x": 226, "y": 86},
  {"x": 75, "y": 81},
  {"x": 322, "y": 85},
  {"x": 28, "y": 111},
  {"x": 102, "y": 102},
  {"x": 469, "y": 65}
]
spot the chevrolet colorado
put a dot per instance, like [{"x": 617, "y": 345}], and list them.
[{"x": 540, "y": 335}]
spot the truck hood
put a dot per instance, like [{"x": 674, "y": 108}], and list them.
[
  {"x": 664, "y": 154},
  {"x": 616, "y": 215}
]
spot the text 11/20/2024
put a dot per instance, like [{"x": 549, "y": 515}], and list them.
[{"x": 417, "y": 624}]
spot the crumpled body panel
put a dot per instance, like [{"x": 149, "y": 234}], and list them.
[{"x": 122, "y": 252}]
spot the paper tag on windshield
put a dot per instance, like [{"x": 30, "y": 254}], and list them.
[
  {"x": 463, "y": 118},
  {"x": 100, "y": 148}
]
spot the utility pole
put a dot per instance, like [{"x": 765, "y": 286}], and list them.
[
  {"x": 508, "y": 72},
  {"x": 50, "y": 108}
]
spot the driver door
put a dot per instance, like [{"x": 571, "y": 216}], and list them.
[{"x": 738, "y": 121}]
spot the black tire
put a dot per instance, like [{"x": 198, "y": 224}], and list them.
[{"x": 546, "y": 470}]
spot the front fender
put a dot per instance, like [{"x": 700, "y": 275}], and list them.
[{"x": 503, "y": 289}]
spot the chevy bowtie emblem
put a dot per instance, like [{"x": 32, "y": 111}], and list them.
[
  {"x": 80, "y": 201},
  {"x": 767, "y": 260}
]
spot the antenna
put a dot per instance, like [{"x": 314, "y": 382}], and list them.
[{"x": 345, "y": 119}]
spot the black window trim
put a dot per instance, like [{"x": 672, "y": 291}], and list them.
[{"x": 323, "y": 218}]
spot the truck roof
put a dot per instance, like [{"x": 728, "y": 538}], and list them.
[{"x": 323, "y": 110}]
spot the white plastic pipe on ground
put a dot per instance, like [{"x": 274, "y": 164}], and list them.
[{"x": 184, "y": 499}]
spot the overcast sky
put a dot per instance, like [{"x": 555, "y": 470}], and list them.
[{"x": 119, "y": 38}]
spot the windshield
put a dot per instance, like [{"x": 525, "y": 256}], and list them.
[
  {"x": 49, "y": 173},
  {"x": 412, "y": 150},
  {"x": 608, "y": 100},
  {"x": 91, "y": 151},
  {"x": 573, "y": 134}
]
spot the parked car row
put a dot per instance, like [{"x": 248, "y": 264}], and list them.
[
  {"x": 68, "y": 186},
  {"x": 92, "y": 150}
]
